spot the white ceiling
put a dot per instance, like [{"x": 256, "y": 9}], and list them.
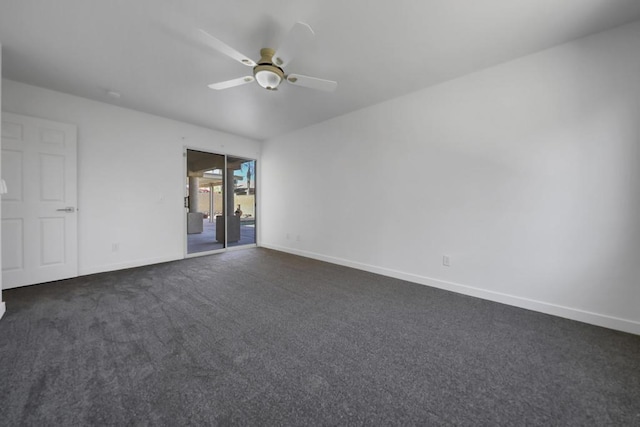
[{"x": 376, "y": 50}]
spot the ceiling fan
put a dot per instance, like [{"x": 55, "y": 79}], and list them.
[{"x": 269, "y": 72}]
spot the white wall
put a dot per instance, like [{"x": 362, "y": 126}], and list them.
[
  {"x": 526, "y": 174},
  {"x": 130, "y": 175}
]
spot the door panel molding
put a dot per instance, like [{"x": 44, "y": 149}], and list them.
[{"x": 39, "y": 236}]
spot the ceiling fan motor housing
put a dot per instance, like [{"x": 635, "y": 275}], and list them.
[{"x": 267, "y": 75}]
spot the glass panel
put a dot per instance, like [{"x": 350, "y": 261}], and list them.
[
  {"x": 241, "y": 175},
  {"x": 205, "y": 201}
]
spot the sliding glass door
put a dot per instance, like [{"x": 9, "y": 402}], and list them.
[
  {"x": 220, "y": 202},
  {"x": 242, "y": 227}
]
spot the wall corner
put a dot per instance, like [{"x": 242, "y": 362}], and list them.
[{"x": 2, "y": 304}]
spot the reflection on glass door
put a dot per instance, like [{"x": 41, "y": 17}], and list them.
[
  {"x": 241, "y": 201},
  {"x": 220, "y": 199}
]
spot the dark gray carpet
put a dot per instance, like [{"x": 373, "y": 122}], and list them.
[{"x": 257, "y": 337}]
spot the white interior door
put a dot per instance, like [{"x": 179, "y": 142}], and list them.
[{"x": 39, "y": 219}]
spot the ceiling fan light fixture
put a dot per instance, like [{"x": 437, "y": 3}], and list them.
[
  {"x": 268, "y": 71},
  {"x": 268, "y": 76}
]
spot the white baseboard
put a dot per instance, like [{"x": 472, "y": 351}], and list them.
[
  {"x": 128, "y": 264},
  {"x": 597, "y": 319},
  {"x": 3, "y": 308}
]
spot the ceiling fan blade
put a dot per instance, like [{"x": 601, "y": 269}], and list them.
[
  {"x": 221, "y": 47},
  {"x": 312, "y": 82},
  {"x": 232, "y": 83},
  {"x": 300, "y": 35}
]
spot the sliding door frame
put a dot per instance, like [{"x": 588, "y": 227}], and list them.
[{"x": 224, "y": 203}]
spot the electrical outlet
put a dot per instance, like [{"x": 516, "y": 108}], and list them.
[
  {"x": 297, "y": 237},
  {"x": 115, "y": 247},
  {"x": 446, "y": 261},
  {"x": 288, "y": 236}
]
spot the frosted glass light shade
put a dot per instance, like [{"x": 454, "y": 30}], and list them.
[{"x": 268, "y": 79}]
